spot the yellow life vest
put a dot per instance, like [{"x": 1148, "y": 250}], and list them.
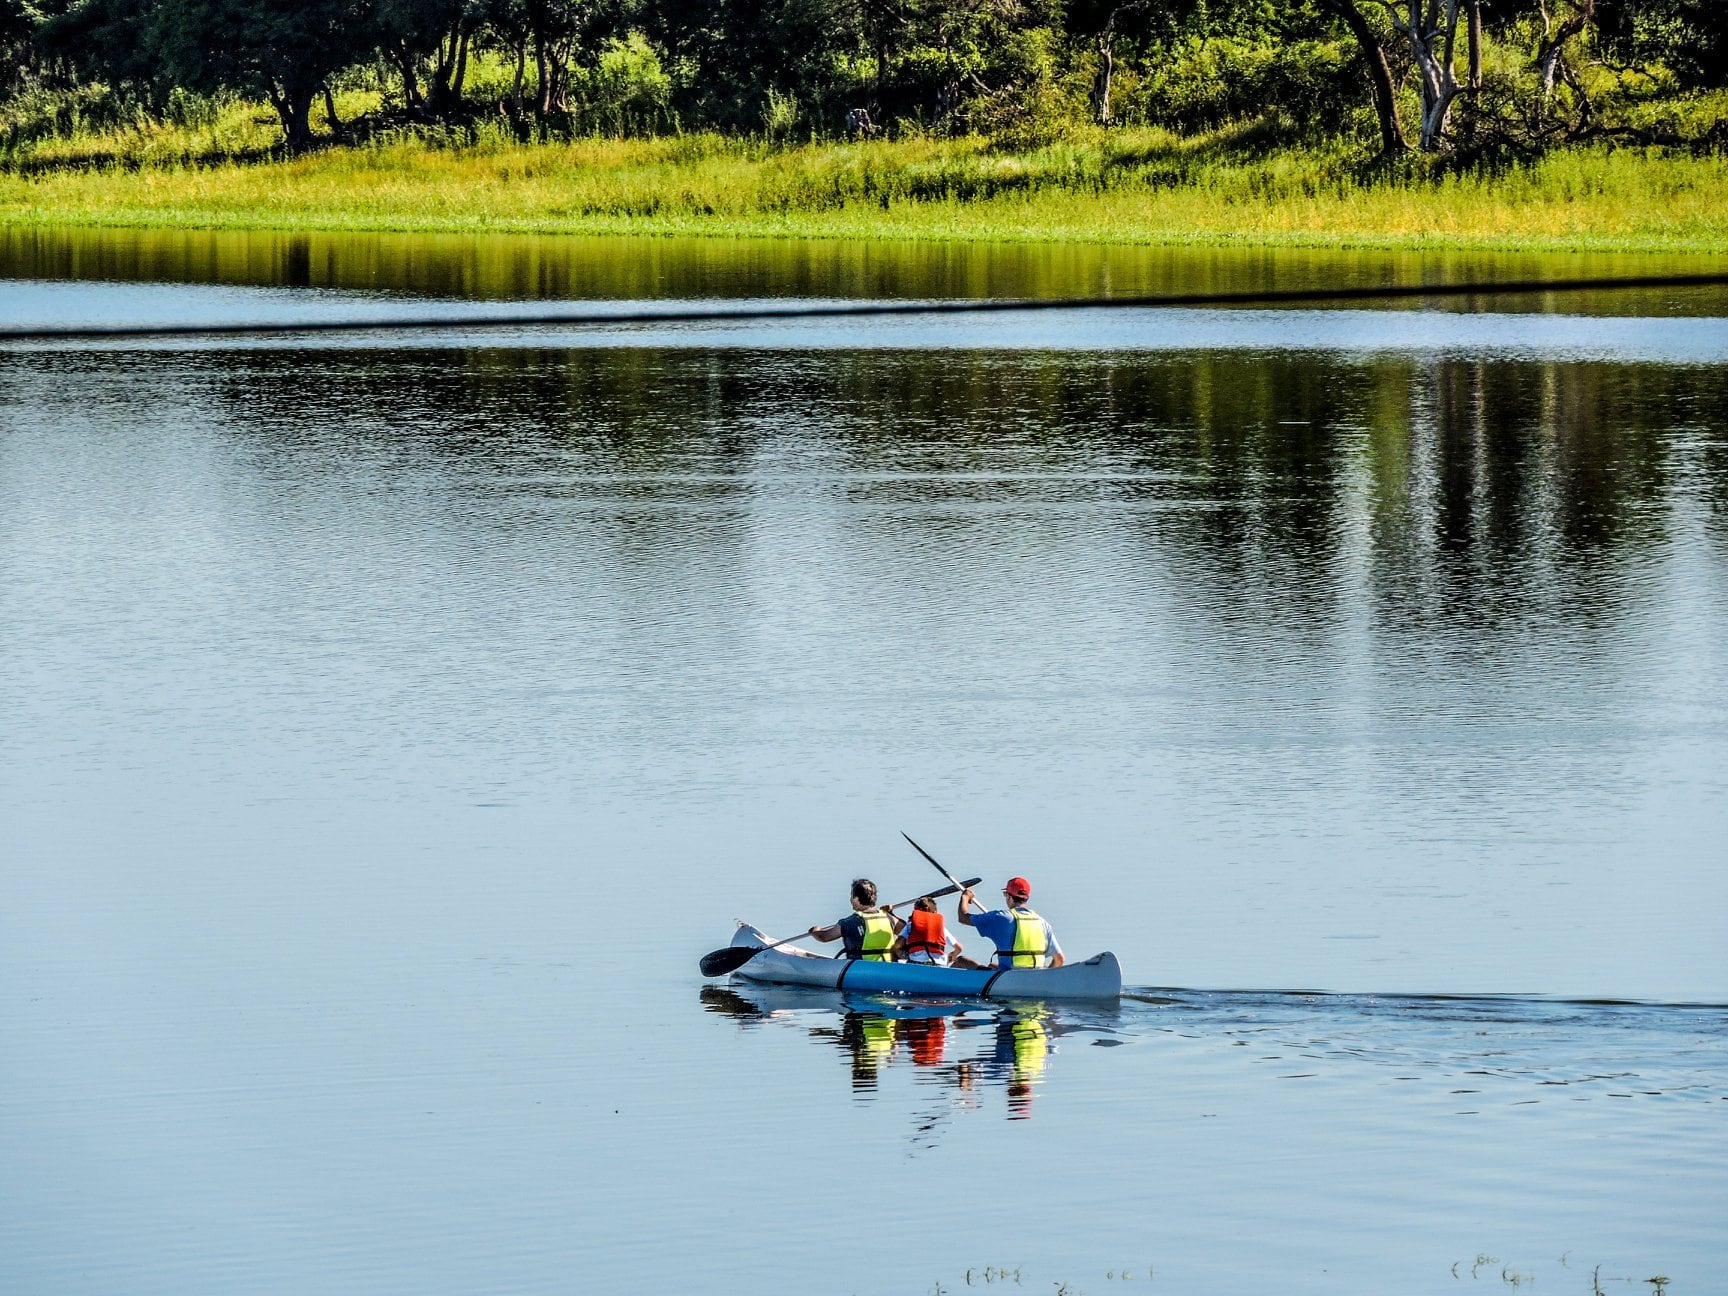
[
  {"x": 878, "y": 944},
  {"x": 1030, "y": 948}
]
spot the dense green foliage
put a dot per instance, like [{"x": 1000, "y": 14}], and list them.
[{"x": 1469, "y": 79}]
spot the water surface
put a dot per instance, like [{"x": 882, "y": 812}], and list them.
[{"x": 386, "y": 730}]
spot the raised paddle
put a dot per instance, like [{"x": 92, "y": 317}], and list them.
[
  {"x": 957, "y": 885},
  {"x": 721, "y": 961}
]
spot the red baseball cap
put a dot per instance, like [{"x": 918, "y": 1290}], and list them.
[{"x": 1019, "y": 886}]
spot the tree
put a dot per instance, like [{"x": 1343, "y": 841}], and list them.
[
  {"x": 111, "y": 40},
  {"x": 728, "y": 55},
  {"x": 1431, "y": 27},
  {"x": 17, "y": 25},
  {"x": 1373, "y": 52},
  {"x": 440, "y": 31},
  {"x": 555, "y": 30},
  {"x": 1099, "y": 23},
  {"x": 282, "y": 51},
  {"x": 1688, "y": 37},
  {"x": 1551, "y": 51}
]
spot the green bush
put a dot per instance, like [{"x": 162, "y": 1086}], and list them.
[
  {"x": 1031, "y": 107},
  {"x": 39, "y": 113},
  {"x": 627, "y": 91},
  {"x": 1199, "y": 85},
  {"x": 192, "y": 111}
]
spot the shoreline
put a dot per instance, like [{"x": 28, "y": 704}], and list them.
[
  {"x": 1120, "y": 191},
  {"x": 982, "y": 234}
]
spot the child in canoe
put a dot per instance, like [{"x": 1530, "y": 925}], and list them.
[{"x": 927, "y": 939}]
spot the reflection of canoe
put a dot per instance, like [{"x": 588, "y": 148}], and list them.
[
  {"x": 760, "y": 999},
  {"x": 1099, "y": 977}
]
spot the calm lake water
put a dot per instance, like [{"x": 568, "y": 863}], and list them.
[{"x": 387, "y": 726}]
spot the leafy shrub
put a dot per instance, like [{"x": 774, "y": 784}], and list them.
[
  {"x": 627, "y": 91},
  {"x": 1200, "y": 85},
  {"x": 192, "y": 111},
  {"x": 1030, "y": 107},
  {"x": 779, "y": 114}
]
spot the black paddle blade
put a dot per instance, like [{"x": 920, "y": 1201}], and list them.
[
  {"x": 926, "y": 854},
  {"x": 730, "y": 959}
]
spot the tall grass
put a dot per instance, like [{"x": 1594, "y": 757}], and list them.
[{"x": 1144, "y": 185}]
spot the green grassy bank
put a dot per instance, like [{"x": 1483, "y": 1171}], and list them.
[{"x": 1144, "y": 186}]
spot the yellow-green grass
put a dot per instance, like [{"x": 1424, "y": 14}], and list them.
[{"x": 1123, "y": 187}]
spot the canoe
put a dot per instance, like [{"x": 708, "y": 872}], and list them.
[{"x": 1099, "y": 977}]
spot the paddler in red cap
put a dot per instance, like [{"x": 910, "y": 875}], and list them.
[{"x": 1022, "y": 938}]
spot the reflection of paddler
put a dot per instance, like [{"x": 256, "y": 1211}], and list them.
[
  {"x": 927, "y": 1037},
  {"x": 870, "y": 1037},
  {"x": 1028, "y": 1043},
  {"x": 1023, "y": 1045}
]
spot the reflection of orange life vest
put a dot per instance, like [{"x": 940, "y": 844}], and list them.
[
  {"x": 925, "y": 933},
  {"x": 928, "y": 1037}
]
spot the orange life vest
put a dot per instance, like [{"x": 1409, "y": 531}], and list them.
[{"x": 926, "y": 933}]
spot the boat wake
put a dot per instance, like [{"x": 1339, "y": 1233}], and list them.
[{"x": 1469, "y": 1050}]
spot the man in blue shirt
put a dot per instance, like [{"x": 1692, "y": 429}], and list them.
[{"x": 1022, "y": 939}]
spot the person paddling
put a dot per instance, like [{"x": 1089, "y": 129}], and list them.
[
  {"x": 927, "y": 938},
  {"x": 1022, "y": 938},
  {"x": 869, "y": 933}
]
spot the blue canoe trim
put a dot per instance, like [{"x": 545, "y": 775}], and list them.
[{"x": 1096, "y": 978}]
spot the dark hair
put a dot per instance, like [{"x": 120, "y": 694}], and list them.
[
  {"x": 864, "y": 891},
  {"x": 926, "y": 903}
]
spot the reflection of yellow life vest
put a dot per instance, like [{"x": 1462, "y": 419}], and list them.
[
  {"x": 1031, "y": 1047},
  {"x": 1029, "y": 947},
  {"x": 879, "y": 1035},
  {"x": 878, "y": 946}
]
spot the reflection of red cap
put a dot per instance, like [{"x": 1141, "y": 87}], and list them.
[{"x": 1019, "y": 887}]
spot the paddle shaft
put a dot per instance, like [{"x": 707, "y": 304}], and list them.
[
  {"x": 944, "y": 872},
  {"x": 956, "y": 885}
]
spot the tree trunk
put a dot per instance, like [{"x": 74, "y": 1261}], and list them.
[
  {"x": 446, "y": 94},
  {"x": 1475, "y": 44},
  {"x": 330, "y": 112},
  {"x": 1101, "y": 81},
  {"x": 543, "y": 80},
  {"x": 1552, "y": 51},
  {"x": 410, "y": 79},
  {"x": 1428, "y": 25},
  {"x": 560, "y": 101},
  {"x": 1392, "y": 139},
  {"x": 562, "y": 53},
  {"x": 293, "y": 104},
  {"x": 516, "y": 101}
]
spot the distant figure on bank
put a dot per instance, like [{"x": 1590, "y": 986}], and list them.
[
  {"x": 870, "y": 933},
  {"x": 927, "y": 939},
  {"x": 1021, "y": 937}
]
